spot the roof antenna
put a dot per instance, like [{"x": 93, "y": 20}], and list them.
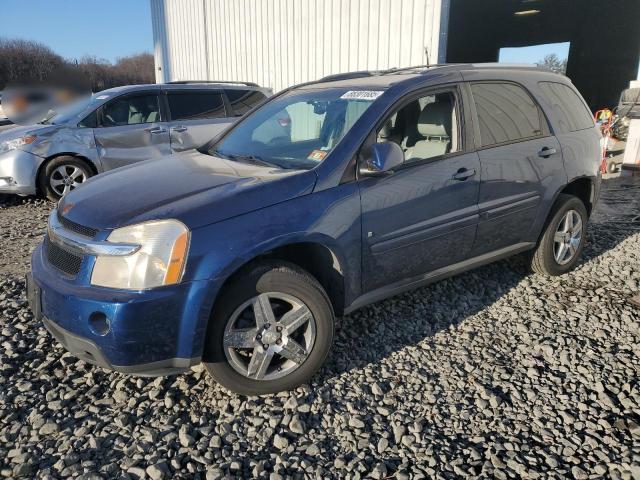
[{"x": 426, "y": 52}]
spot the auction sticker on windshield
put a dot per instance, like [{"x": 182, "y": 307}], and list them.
[
  {"x": 362, "y": 94},
  {"x": 317, "y": 155}
]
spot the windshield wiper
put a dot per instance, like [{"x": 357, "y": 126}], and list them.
[{"x": 251, "y": 159}]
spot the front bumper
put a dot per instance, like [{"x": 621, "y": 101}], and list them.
[
  {"x": 19, "y": 172},
  {"x": 154, "y": 332}
]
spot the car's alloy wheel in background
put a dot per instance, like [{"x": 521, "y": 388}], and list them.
[{"x": 62, "y": 175}]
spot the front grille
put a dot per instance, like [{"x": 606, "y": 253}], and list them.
[
  {"x": 79, "y": 229},
  {"x": 63, "y": 260}
]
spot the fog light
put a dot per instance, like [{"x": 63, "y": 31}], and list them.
[{"x": 99, "y": 323}]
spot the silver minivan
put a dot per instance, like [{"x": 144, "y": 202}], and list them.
[{"x": 117, "y": 127}]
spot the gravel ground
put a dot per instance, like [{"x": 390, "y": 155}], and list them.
[{"x": 494, "y": 373}]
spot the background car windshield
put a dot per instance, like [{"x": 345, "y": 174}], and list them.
[
  {"x": 75, "y": 110},
  {"x": 297, "y": 130}
]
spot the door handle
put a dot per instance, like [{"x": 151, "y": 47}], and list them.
[
  {"x": 179, "y": 129},
  {"x": 546, "y": 152},
  {"x": 156, "y": 130},
  {"x": 462, "y": 174}
]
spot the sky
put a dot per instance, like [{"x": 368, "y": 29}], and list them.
[
  {"x": 73, "y": 28},
  {"x": 533, "y": 53}
]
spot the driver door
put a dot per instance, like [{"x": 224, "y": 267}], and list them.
[
  {"x": 131, "y": 129},
  {"x": 424, "y": 215}
]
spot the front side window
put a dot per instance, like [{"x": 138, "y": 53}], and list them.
[
  {"x": 196, "y": 105},
  {"x": 244, "y": 100},
  {"x": 425, "y": 128},
  {"x": 569, "y": 109},
  {"x": 296, "y": 130},
  {"x": 131, "y": 110},
  {"x": 506, "y": 113}
]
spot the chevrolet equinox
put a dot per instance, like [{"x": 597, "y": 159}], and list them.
[{"x": 329, "y": 196}]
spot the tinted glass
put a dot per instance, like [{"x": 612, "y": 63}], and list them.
[
  {"x": 296, "y": 130},
  {"x": 90, "y": 121},
  {"x": 244, "y": 100},
  {"x": 196, "y": 105},
  {"x": 131, "y": 110},
  {"x": 506, "y": 113},
  {"x": 425, "y": 128},
  {"x": 568, "y": 107}
]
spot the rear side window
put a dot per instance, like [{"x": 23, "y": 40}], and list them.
[
  {"x": 506, "y": 113},
  {"x": 568, "y": 107},
  {"x": 244, "y": 100},
  {"x": 196, "y": 105}
]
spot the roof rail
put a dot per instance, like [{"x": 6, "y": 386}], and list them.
[
  {"x": 371, "y": 73},
  {"x": 347, "y": 76},
  {"x": 232, "y": 82}
]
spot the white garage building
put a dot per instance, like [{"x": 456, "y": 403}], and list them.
[{"x": 278, "y": 43}]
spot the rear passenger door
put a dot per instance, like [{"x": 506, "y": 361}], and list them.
[
  {"x": 521, "y": 162},
  {"x": 196, "y": 116},
  {"x": 130, "y": 129}
]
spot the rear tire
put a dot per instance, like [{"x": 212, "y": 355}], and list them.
[
  {"x": 61, "y": 175},
  {"x": 563, "y": 239},
  {"x": 285, "y": 296}
]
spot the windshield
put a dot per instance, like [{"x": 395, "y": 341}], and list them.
[
  {"x": 74, "y": 111},
  {"x": 297, "y": 130}
]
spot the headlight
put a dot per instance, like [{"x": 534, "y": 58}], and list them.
[
  {"x": 161, "y": 259},
  {"x": 17, "y": 143}
]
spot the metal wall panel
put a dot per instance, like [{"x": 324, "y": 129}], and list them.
[{"x": 278, "y": 43}]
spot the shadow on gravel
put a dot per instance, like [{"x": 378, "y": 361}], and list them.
[{"x": 377, "y": 331}]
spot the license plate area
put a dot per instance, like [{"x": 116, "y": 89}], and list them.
[{"x": 34, "y": 297}]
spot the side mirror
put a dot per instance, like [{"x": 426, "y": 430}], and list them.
[{"x": 383, "y": 159}]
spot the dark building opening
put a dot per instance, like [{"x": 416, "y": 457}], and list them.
[{"x": 604, "y": 38}]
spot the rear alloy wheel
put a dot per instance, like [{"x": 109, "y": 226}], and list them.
[
  {"x": 567, "y": 238},
  {"x": 270, "y": 331},
  {"x": 61, "y": 175},
  {"x": 563, "y": 238}
]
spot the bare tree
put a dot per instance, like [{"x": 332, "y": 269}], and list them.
[
  {"x": 23, "y": 62},
  {"x": 553, "y": 63}
]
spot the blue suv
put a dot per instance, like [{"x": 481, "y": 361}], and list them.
[{"x": 330, "y": 196}]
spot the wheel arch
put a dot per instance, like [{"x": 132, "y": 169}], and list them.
[
  {"x": 583, "y": 188},
  {"x": 317, "y": 257}
]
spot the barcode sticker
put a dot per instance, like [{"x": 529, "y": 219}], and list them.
[{"x": 362, "y": 95}]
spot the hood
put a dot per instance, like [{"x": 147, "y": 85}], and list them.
[
  {"x": 17, "y": 131},
  {"x": 192, "y": 187}
]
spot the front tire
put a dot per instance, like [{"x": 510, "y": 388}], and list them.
[
  {"x": 563, "y": 239},
  {"x": 61, "y": 175},
  {"x": 270, "y": 331}
]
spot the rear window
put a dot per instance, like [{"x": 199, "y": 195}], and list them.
[
  {"x": 506, "y": 113},
  {"x": 244, "y": 100},
  {"x": 196, "y": 105},
  {"x": 567, "y": 106}
]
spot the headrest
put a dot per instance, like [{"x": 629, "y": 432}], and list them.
[
  {"x": 385, "y": 131},
  {"x": 435, "y": 120}
]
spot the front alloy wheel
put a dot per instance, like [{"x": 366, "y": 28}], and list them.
[
  {"x": 269, "y": 336},
  {"x": 270, "y": 331}
]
